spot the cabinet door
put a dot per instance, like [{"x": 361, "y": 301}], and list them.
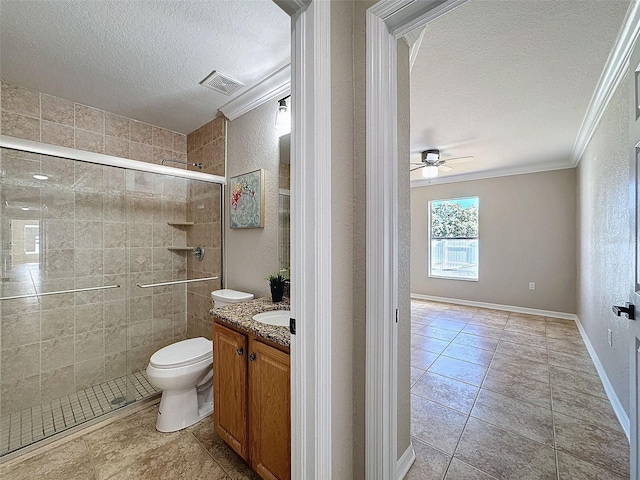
[
  {"x": 270, "y": 411},
  {"x": 230, "y": 388}
]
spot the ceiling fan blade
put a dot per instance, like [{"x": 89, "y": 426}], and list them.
[
  {"x": 459, "y": 159},
  {"x": 416, "y": 163},
  {"x": 417, "y": 168},
  {"x": 445, "y": 168}
]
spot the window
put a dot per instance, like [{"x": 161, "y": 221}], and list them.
[
  {"x": 453, "y": 238},
  {"x": 31, "y": 239}
]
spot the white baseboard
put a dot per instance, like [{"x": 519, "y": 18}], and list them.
[
  {"x": 405, "y": 462},
  {"x": 623, "y": 418},
  {"x": 497, "y": 306}
]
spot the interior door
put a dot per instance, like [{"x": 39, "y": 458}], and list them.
[{"x": 634, "y": 295}]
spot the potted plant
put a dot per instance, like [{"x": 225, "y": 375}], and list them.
[{"x": 276, "y": 283}]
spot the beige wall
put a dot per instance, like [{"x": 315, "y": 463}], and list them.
[
  {"x": 605, "y": 259},
  {"x": 527, "y": 228},
  {"x": 404, "y": 252},
  {"x": 252, "y": 253}
]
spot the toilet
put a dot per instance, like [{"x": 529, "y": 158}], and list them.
[
  {"x": 226, "y": 296},
  {"x": 184, "y": 373}
]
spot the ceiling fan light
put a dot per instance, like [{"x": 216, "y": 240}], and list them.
[{"x": 430, "y": 171}]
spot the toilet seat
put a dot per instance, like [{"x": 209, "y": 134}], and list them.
[{"x": 184, "y": 353}]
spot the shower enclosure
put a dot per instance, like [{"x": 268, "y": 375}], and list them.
[{"x": 98, "y": 271}]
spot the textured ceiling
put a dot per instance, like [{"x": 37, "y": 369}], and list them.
[
  {"x": 142, "y": 59},
  {"x": 510, "y": 82}
]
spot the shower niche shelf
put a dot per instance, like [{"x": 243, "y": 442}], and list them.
[{"x": 181, "y": 224}]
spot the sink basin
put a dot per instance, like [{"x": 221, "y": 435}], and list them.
[{"x": 279, "y": 318}]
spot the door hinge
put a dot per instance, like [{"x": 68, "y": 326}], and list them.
[{"x": 292, "y": 326}]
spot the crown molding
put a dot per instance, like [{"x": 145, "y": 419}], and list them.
[
  {"x": 276, "y": 85},
  {"x": 506, "y": 172},
  {"x": 613, "y": 73}
]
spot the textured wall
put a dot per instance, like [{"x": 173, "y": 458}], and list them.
[
  {"x": 605, "y": 259},
  {"x": 404, "y": 252},
  {"x": 206, "y": 145},
  {"x": 252, "y": 253},
  {"x": 527, "y": 234}
]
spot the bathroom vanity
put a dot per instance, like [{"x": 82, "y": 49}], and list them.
[{"x": 252, "y": 394}]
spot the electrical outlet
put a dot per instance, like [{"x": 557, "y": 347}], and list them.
[
  {"x": 532, "y": 285},
  {"x": 609, "y": 337}
]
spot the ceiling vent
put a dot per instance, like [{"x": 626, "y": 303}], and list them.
[{"x": 221, "y": 82}]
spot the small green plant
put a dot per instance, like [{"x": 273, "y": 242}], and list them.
[{"x": 276, "y": 278}]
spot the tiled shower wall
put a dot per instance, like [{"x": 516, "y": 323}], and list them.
[
  {"x": 67, "y": 342},
  {"x": 207, "y": 145}
]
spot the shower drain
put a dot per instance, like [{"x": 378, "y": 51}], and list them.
[{"x": 118, "y": 400}]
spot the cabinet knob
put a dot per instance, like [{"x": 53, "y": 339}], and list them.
[
  {"x": 252, "y": 357},
  {"x": 240, "y": 351}
]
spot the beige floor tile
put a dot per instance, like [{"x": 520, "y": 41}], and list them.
[
  {"x": 526, "y": 419},
  {"x": 557, "y": 328},
  {"x": 429, "y": 344},
  {"x": 436, "y": 425},
  {"x": 221, "y": 453},
  {"x": 422, "y": 358},
  {"x": 590, "y": 408},
  {"x": 125, "y": 441},
  {"x": 521, "y": 367},
  {"x": 70, "y": 461},
  {"x": 439, "y": 333},
  {"x": 475, "y": 329},
  {"x": 568, "y": 345},
  {"x": 430, "y": 463},
  {"x": 600, "y": 445},
  {"x": 458, "y": 470},
  {"x": 571, "y": 468},
  {"x": 580, "y": 381},
  {"x": 534, "y": 328},
  {"x": 504, "y": 454},
  {"x": 469, "y": 354},
  {"x": 524, "y": 351},
  {"x": 524, "y": 339},
  {"x": 416, "y": 373},
  {"x": 518, "y": 387},
  {"x": 459, "y": 370},
  {"x": 446, "y": 391},
  {"x": 448, "y": 324},
  {"x": 489, "y": 321},
  {"x": 476, "y": 341},
  {"x": 581, "y": 363},
  {"x": 183, "y": 457}
]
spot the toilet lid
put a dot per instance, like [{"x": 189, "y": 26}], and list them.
[
  {"x": 180, "y": 354},
  {"x": 231, "y": 296}
]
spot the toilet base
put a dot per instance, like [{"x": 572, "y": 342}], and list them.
[{"x": 181, "y": 409}]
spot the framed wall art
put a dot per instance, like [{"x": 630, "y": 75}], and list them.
[{"x": 246, "y": 209}]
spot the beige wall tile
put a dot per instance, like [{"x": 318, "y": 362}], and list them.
[
  {"x": 141, "y": 132},
  {"x": 115, "y": 312},
  {"x": 20, "y": 394},
  {"x": 20, "y": 100},
  {"x": 115, "y": 366},
  {"x": 57, "y": 323},
  {"x": 58, "y": 383},
  {"x": 116, "y": 126},
  {"x": 89, "y": 373},
  {"x": 89, "y": 141},
  {"x": 57, "y": 353},
  {"x": 162, "y": 138},
  {"x": 58, "y": 110},
  {"x": 56, "y": 134},
  {"x": 89, "y": 118},
  {"x": 20, "y": 362},
  {"x": 219, "y": 125},
  {"x": 141, "y": 151},
  {"x": 89, "y": 345},
  {"x": 20, "y": 329},
  {"x": 117, "y": 147},
  {"x": 20, "y": 126},
  {"x": 160, "y": 154},
  {"x": 179, "y": 143}
]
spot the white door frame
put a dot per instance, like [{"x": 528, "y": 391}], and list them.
[
  {"x": 310, "y": 238},
  {"x": 387, "y": 21}
]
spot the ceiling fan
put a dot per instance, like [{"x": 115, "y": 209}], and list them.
[{"x": 432, "y": 163}]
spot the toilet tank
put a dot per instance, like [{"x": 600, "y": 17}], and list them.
[{"x": 226, "y": 296}]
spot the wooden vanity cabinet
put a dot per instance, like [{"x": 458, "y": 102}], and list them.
[{"x": 258, "y": 425}]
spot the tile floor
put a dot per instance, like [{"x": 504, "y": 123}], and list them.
[
  {"x": 508, "y": 396},
  {"x": 131, "y": 449},
  {"x": 23, "y": 428}
]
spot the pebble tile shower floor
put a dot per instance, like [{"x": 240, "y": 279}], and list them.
[
  {"x": 23, "y": 428},
  {"x": 507, "y": 396}
]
